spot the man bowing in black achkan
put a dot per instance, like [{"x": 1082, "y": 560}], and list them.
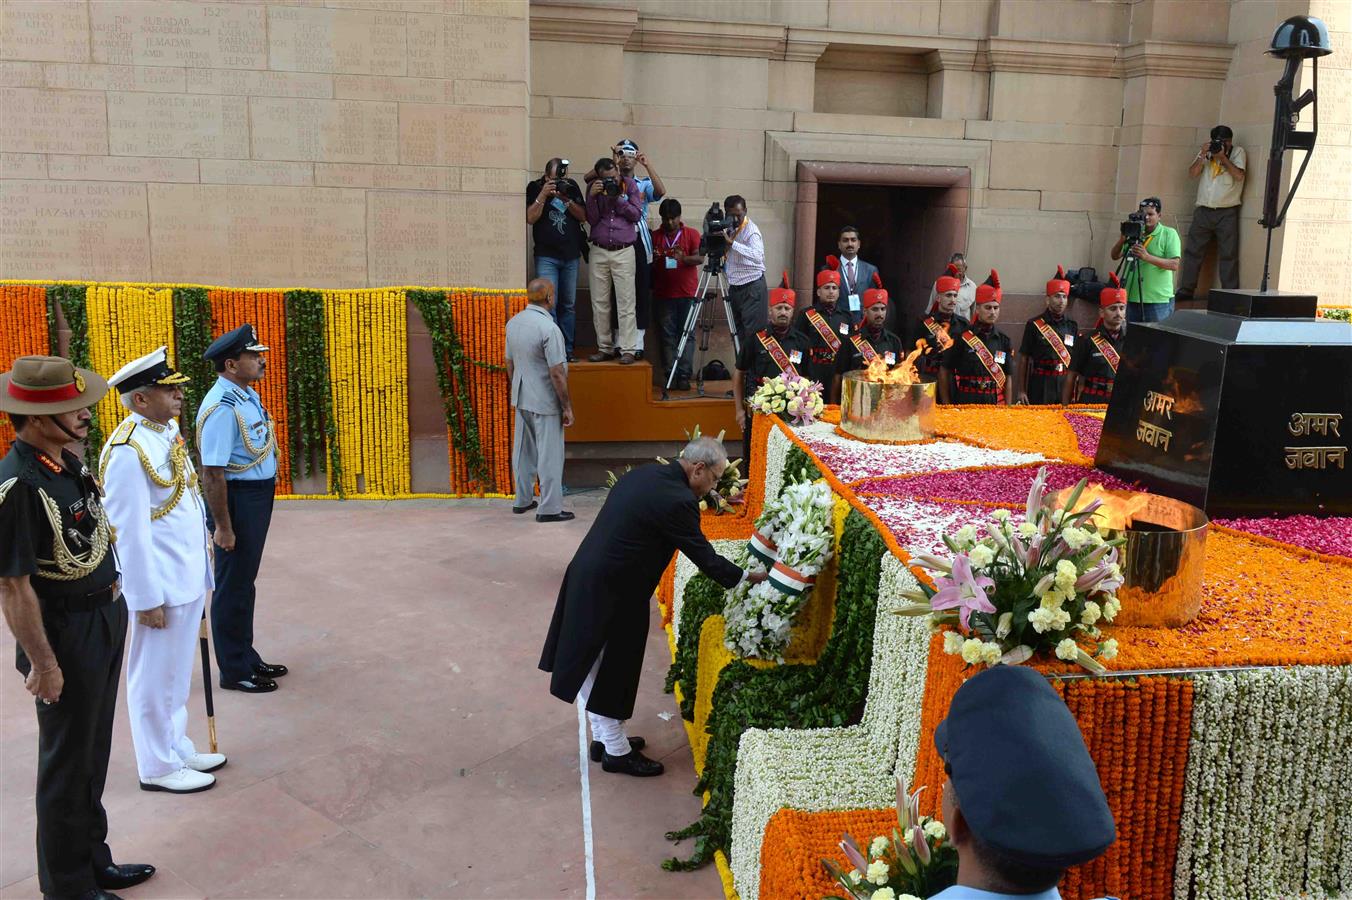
[{"x": 600, "y": 626}]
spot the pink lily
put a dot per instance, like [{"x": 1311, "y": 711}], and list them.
[
  {"x": 1034, "y": 503},
  {"x": 964, "y": 590},
  {"x": 1034, "y": 551},
  {"x": 1091, "y": 578},
  {"x": 853, "y": 854},
  {"x": 920, "y": 845}
]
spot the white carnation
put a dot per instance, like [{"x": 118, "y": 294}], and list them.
[
  {"x": 1067, "y": 649},
  {"x": 972, "y": 651},
  {"x": 952, "y": 642},
  {"x": 878, "y": 872},
  {"x": 991, "y": 653},
  {"x": 982, "y": 556},
  {"x": 1108, "y": 649},
  {"x": 1092, "y": 612},
  {"x": 935, "y": 830}
]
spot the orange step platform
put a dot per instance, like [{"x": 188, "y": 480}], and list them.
[{"x": 612, "y": 402}]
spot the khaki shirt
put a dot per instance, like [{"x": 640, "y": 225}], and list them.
[
  {"x": 534, "y": 346},
  {"x": 1221, "y": 191}
]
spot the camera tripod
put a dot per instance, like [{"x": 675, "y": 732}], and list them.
[
  {"x": 1129, "y": 269},
  {"x": 712, "y": 280}
]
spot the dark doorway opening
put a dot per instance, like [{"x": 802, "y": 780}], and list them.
[{"x": 907, "y": 232}]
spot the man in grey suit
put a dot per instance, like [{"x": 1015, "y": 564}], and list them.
[
  {"x": 856, "y": 275},
  {"x": 537, "y": 368}
]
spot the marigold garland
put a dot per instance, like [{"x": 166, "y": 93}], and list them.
[
  {"x": 1036, "y": 429},
  {"x": 124, "y": 323},
  {"x": 266, "y": 311},
  {"x": 367, "y": 344},
  {"x": 24, "y": 331}
]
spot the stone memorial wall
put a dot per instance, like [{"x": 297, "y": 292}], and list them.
[{"x": 338, "y": 144}]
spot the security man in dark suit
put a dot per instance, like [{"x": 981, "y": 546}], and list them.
[
  {"x": 59, "y": 592},
  {"x": 239, "y": 475},
  {"x": 1015, "y": 834},
  {"x": 768, "y": 353}
]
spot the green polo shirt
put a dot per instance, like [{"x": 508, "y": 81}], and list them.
[{"x": 1157, "y": 285}]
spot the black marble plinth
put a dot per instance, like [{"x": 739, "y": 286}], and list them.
[
  {"x": 1254, "y": 304},
  {"x": 1240, "y": 416}
]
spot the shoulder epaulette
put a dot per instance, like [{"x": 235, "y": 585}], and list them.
[
  {"x": 229, "y": 399},
  {"x": 123, "y": 433}
]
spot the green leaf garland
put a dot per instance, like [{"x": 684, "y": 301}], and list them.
[
  {"x": 462, "y": 421},
  {"x": 829, "y": 694},
  {"x": 192, "y": 336},
  {"x": 309, "y": 403},
  {"x": 71, "y": 298}
]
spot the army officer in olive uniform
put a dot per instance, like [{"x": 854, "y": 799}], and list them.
[
  {"x": 59, "y": 592},
  {"x": 239, "y": 473}
]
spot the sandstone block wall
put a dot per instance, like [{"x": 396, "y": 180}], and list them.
[{"x": 327, "y": 144}]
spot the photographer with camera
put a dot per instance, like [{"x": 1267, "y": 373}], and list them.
[
  {"x": 1220, "y": 165},
  {"x": 555, "y": 210},
  {"x": 613, "y": 213},
  {"x": 1150, "y": 251},
  {"x": 745, "y": 268},
  {"x": 675, "y": 279}
]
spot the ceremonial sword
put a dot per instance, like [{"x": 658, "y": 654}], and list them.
[{"x": 206, "y": 681}]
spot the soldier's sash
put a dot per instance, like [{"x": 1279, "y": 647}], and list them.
[
  {"x": 1051, "y": 337},
  {"x": 983, "y": 353},
  {"x": 823, "y": 330},
  {"x": 939, "y": 333},
  {"x": 1109, "y": 352},
  {"x": 776, "y": 352},
  {"x": 864, "y": 347}
]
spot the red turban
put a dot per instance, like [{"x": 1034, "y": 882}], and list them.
[
  {"x": 949, "y": 281},
  {"x": 828, "y": 276},
  {"x": 1059, "y": 284},
  {"x": 783, "y": 293},
  {"x": 1114, "y": 293},
  {"x": 989, "y": 290},
  {"x": 874, "y": 296}
]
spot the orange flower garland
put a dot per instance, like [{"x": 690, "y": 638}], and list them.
[
  {"x": 1036, "y": 429},
  {"x": 480, "y": 319},
  {"x": 23, "y": 332},
  {"x": 796, "y": 842},
  {"x": 266, "y": 311}
]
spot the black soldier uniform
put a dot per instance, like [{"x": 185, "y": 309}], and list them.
[
  {"x": 823, "y": 333},
  {"x": 863, "y": 346},
  {"x": 764, "y": 356},
  {"x": 938, "y": 333},
  {"x": 1048, "y": 342},
  {"x": 974, "y": 380},
  {"x": 1096, "y": 357},
  {"x": 54, "y": 530}
]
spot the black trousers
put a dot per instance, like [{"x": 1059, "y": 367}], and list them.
[
  {"x": 750, "y": 309},
  {"x": 75, "y": 736},
  {"x": 232, "y": 603}
]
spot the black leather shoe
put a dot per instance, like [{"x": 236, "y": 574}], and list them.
[
  {"x": 598, "y": 748},
  {"x": 564, "y": 516},
  {"x": 91, "y": 894},
  {"x": 635, "y": 764},
  {"x": 270, "y": 670},
  {"x": 682, "y": 385},
  {"x": 256, "y": 684},
  {"x": 522, "y": 510},
  {"x": 124, "y": 876}
]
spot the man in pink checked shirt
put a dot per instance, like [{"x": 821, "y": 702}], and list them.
[{"x": 745, "y": 268}]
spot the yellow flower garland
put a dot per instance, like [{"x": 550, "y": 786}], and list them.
[
  {"x": 125, "y": 323},
  {"x": 367, "y": 333}
]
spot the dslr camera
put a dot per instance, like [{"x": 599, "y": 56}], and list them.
[
  {"x": 610, "y": 186},
  {"x": 713, "y": 243},
  {"x": 561, "y": 176},
  {"x": 1134, "y": 228},
  {"x": 1215, "y": 146}
]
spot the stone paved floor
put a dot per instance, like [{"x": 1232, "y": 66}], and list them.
[{"x": 413, "y": 751}]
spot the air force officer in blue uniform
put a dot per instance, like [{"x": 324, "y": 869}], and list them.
[{"x": 239, "y": 472}]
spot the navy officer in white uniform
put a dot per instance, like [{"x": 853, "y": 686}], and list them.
[
  {"x": 1023, "y": 801},
  {"x": 153, "y": 500},
  {"x": 239, "y": 473}
]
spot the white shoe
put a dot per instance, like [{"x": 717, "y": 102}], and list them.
[
  {"x": 205, "y": 762},
  {"x": 184, "y": 781}
]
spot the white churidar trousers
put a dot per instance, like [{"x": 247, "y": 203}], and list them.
[
  {"x": 159, "y": 675},
  {"x": 603, "y": 728}
]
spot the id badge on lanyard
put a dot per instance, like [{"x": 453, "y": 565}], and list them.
[{"x": 667, "y": 260}]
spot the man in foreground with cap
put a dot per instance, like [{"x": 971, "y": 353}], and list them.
[
  {"x": 239, "y": 472},
  {"x": 976, "y": 368},
  {"x": 1093, "y": 367},
  {"x": 1044, "y": 354},
  {"x": 772, "y": 351},
  {"x": 59, "y": 592},
  {"x": 1015, "y": 834},
  {"x": 156, "y": 506}
]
